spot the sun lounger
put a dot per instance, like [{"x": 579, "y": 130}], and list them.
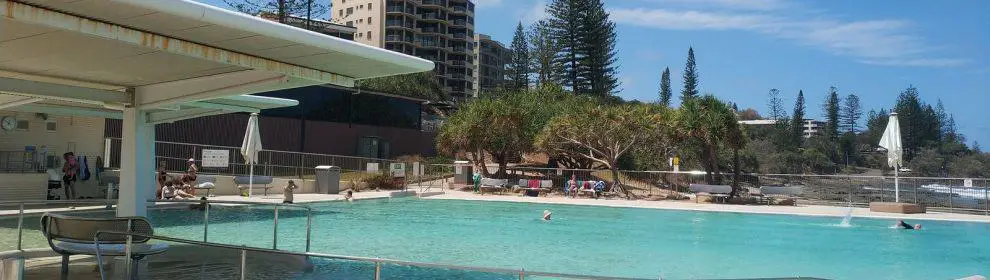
[
  {"x": 208, "y": 183},
  {"x": 492, "y": 185},
  {"x": 769, "y": 193},
  {"x": 588, "y": 188},
  {"x": 715, "y": 191},
  {"x": 546, "y": 186}
]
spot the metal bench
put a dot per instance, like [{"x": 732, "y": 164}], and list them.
[
  {"x": 244, "y": 182},
  {"x": 68, "y": 235},
  {"x": 770, "y": 192},
  {"x": 715, "y": 191}
]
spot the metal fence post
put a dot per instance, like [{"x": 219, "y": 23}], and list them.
[
  {"x": 378, "y": 270},
  {"x": 206, "y": 221},
  {"x": 20, "y": 226},
  {"x": 950, "y": 196},
  {"x": 309, "y": 227},
  {"x": 243, "y": 264},
  {"x": 915, "y": 191},
  {"x": 275, "y": 230},
  {"x": 986, "y": 199}
]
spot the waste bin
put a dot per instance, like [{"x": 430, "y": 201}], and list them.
[
  {"x": 463, "y": 172},
  {"x": 327, "y": 179}
]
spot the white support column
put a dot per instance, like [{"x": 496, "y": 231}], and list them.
[{"x": 137, "y": 163}]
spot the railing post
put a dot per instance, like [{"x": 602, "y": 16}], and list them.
[
  {"x": 378, "y": 270},
  {"x": 309, "y": 226},
  {"x": 916, "y": 191},
  {"x": 20, "y": 226},
  {"x": 950, "y": 196},
  {"x": 986, "y": 198},
  {"x": 849, "y": 191},
  {"x": 206, "y": 221},
  {"x": 243, "y": 264},
  {"x": 275, "y": 230}
]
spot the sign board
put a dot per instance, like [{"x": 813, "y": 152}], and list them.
[
  {"x": 968, "y": 183},
  {"x": 417, "y": 169},
  {"x": 372, "y": 167},
  {"x": 215, "y": 158},
  {"x": 397, "y": 169},
  {"x": 457, "y": 170}
]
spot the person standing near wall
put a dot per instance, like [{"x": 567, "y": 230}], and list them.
[{"x": 69, "y": 171}]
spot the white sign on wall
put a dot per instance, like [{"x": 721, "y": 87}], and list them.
[
  {"x": 417, "y": 169},
  {"x": 372, "y": 167},
  {"x": 216, "y": 158},
  {"x": 968, "y": 183},
  {"x": 397, "y": 169}
]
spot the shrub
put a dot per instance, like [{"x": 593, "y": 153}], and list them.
[{"x": 379, "y": 181}]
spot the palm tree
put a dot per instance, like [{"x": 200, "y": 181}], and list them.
[{"x": 709, "y": 123}]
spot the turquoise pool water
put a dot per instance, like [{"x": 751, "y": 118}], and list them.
[
  {"x": 609, "y": 241},
  {"x": 592, "y": 240}
]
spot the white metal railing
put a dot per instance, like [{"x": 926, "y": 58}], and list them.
[
  {"x": 206, "y": 214},
  {"x": 378, "y": 262}
]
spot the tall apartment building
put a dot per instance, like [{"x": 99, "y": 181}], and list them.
[
  {"x": 490, "y": 60},
  {"x": 438, "y": 30}
]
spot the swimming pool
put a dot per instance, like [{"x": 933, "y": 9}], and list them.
[{"x": 605, "y": 240}]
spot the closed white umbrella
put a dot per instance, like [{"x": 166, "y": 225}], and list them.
[
  {"x": 891, "y": 141},
  {"x": 251, "y": 146}
]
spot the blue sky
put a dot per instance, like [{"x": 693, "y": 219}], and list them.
[{"x": 743, "y": 48}]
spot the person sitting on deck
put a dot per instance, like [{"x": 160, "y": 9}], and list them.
[
  {"x": 171, "y": 190},
  {"x": 572, "y": 186},
  {"x": 902, "y": 224},
  {"x": 288, "y": 190}
]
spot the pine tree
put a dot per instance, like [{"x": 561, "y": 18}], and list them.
[
  {"x": 851, "y": 113},
  {"x": 519, "y": 70},
  {"x": 568, "y": 30},
  {"x": 598, "y": 49},
  {"x": 776, "y": 105},
  {"x": 690, "y": 78},
  {"x": 544, "y": 52},
  {"x": 665, "y": 90},
  {"x": 831, "y": 109},
  {"x": 278, "y": 7},
  {"x": 797, "y": 121}
]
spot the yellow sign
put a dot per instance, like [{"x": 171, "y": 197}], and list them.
[{"x": 677, "y": 161}]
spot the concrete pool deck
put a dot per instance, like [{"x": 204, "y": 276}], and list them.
[{"x": 690, "y": 205}]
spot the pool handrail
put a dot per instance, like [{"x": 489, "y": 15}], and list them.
[
  {"x": 377, "y": 261},
  {"x": 206, "y": 213}
]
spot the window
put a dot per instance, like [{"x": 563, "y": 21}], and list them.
[
  {"x": 350, "y": 10},
  {"x": 361, "y": 7},
  {"x": 360, "y": 20},
  {"x": 369, "y": 6},
  {"x": 350, "y": 23},
  {"x": 369, "y": 34},
  {"x": 23, "y": 125},
  {"x": 341, "y": 13},
  {"x": 50, "y": 126},
  {"x": 360, "y": 35},
  {"x": 369, "y": 20}
]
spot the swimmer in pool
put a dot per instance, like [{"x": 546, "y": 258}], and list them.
[
  {"x": 902, "y": 224},
  {"x": 546, "y": 215}
]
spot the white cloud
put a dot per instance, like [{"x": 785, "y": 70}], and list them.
[
  {"x": 534, "y": 13},
  {"x": 881, "y": 42},
  {"x": 487, "y": 3}
]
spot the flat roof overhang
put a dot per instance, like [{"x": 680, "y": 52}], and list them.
[{"x": 149, "y": 62}]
